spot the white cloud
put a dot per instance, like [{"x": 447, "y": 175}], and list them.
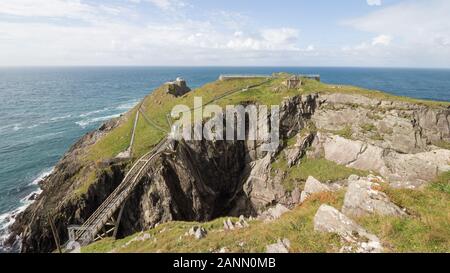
[
  {"x": 163, "y": 4},
  {"x": 384, "y": 40},
  {"x": 421, "y": 30},
  {"x": 281, "y": 36},
  {"x": 44, "y": 8},
  {"x": 374, "y": 2}
]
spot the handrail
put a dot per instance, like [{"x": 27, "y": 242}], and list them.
[{"x": 134, "y": 174}]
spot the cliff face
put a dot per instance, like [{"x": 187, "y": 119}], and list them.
[{"x": 201, "y": 180}]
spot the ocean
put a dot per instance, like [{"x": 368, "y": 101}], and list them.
[{"x": 43, "y": 111}]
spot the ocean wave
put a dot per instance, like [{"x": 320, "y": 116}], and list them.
[
  {"x": 93, "y": 112},
  {"x": 127, "y": 106},
  {"x": 60, "y": 118},
  {"x": 17, "y": 127},
  {"x": 8, "y": 218},
  {"x": 86, "y": 122},
  {"x": 44, "y": 174}
]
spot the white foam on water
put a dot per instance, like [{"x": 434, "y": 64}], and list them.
[
  {"x": 33, "y": 126},
  {"x": 127, "y": 106},
  {"x": 8, "y": 218},
  {"x": 17, "y": 127},
  {"x": 44, "y": 174},
  {"x": 86, "y": 122},
  {"x": 60, "y": 118},
  {"x": 93, "y": 112}
]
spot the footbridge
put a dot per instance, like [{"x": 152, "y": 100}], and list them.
[{"x": 106, "y": 218}]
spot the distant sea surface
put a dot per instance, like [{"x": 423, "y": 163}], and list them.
[{"x": 43, "y": 111}]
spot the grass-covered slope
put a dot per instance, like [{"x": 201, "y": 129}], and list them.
[
  {"x": 426, "y": 230},
  {"x": 158, "y": 104}
]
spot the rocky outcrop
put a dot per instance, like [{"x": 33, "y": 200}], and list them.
[
  {"x": 303, "y": 141},
  {"x": 177, "y": 88},
  {"x": 399, "y": 126},
  {"x": 329, "y": 219},
  {"x": 197, "y": 232},
  {"x": 273, "y": 213},
  {"x": 363, "y": 198},
  {"x": 203, "y": 180},
  {"x": 313, "y": 186},
  {"x": 282, "y": 246},
  {"x": 402, "y": 170}
]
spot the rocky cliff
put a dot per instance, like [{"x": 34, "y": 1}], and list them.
[{"x": 404, "y": 142}]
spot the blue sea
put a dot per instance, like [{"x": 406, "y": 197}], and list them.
[{"x": 43, "y": 111}]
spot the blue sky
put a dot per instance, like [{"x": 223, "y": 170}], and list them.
[{"x": 391, "y": 33}]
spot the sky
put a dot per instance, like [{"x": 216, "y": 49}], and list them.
[{"x": 380, "y": 33}]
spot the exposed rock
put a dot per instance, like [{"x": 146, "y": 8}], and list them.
[
  {"x": 329, "y": 219},
  {"x": 223, "y": 250},
  {"x": 228, "y": 224},
  {"x": 313, "y": 186},
  {"x": 273, "y": 213},
  {"x": 296, "y": 196},
  {"x": 282, "y": 246},
  {"x": 353, "y": 177},
  {"x": 178, "y": 87},
  {"x": 197, "y": 232},
  {"x": 200, "y": 180},
  {"x": 258, "y": 186},
  {"x": 293, "y": 154},
  {"x": 364, "y": 198},
  {"x": 409, "y": 169},
  {"x": 242, "y": 222}
]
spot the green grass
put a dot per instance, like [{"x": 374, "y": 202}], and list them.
[
  {"x": 368, "y": 127},
  {"x": 158, "y": 104},
  {"x": 442, "y": 183},
  {"x": 443, "y": 144},
  {"x": 345, "y": 132},
  {"x": 321, "y": 169},
  {"x": 428, "y": 227},
  {"x": 297, "y": 226}
]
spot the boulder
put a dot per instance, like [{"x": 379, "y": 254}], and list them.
[
  {"x": 363, "y": 198},
  {"x": 293, "y": 154},
  {"x": 402, "y": 170},
  {"x": 282, "y": 246},
  {"x": 313, "y": 186},
  {"x": 273, "y": 213},
  {"x": 296, "y": 195},
  {"x": 329, "y": 219},
  {"x": 197, "y": 232},
  {"x": 242, "y": 222},
  {"x": 228, "y": 224},
  {"x": 353, "y": 177}
]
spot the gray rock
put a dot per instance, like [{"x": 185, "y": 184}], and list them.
[
  {"x": 242, "y": 222},
  {"x": 200, "y": 233},
  {"x": 293, "y": 154},
  {"x": 282, "y": 246},
  {"x": 353, "y": 177},
  {"x": 273, "y": 213},
  {"x": 362, "y": 198},
  {"x": 296, "y": 195},
  {"x": 313, "y": 186},
  {"x": 228, "y": 224},
  {"x": 410, "y": 169},
  {"x": 197, "y": 232},
  {"x": 329, "y": 219}
]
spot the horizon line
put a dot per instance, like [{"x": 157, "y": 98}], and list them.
[{"x": 216, "y": 66}]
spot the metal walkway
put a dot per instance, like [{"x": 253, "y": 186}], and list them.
[
  {"x": 103, "y": 217},
  {"x": 88, "y": 232}
]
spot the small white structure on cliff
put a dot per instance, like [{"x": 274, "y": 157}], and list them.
[{"x": 178, "y": 87}]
